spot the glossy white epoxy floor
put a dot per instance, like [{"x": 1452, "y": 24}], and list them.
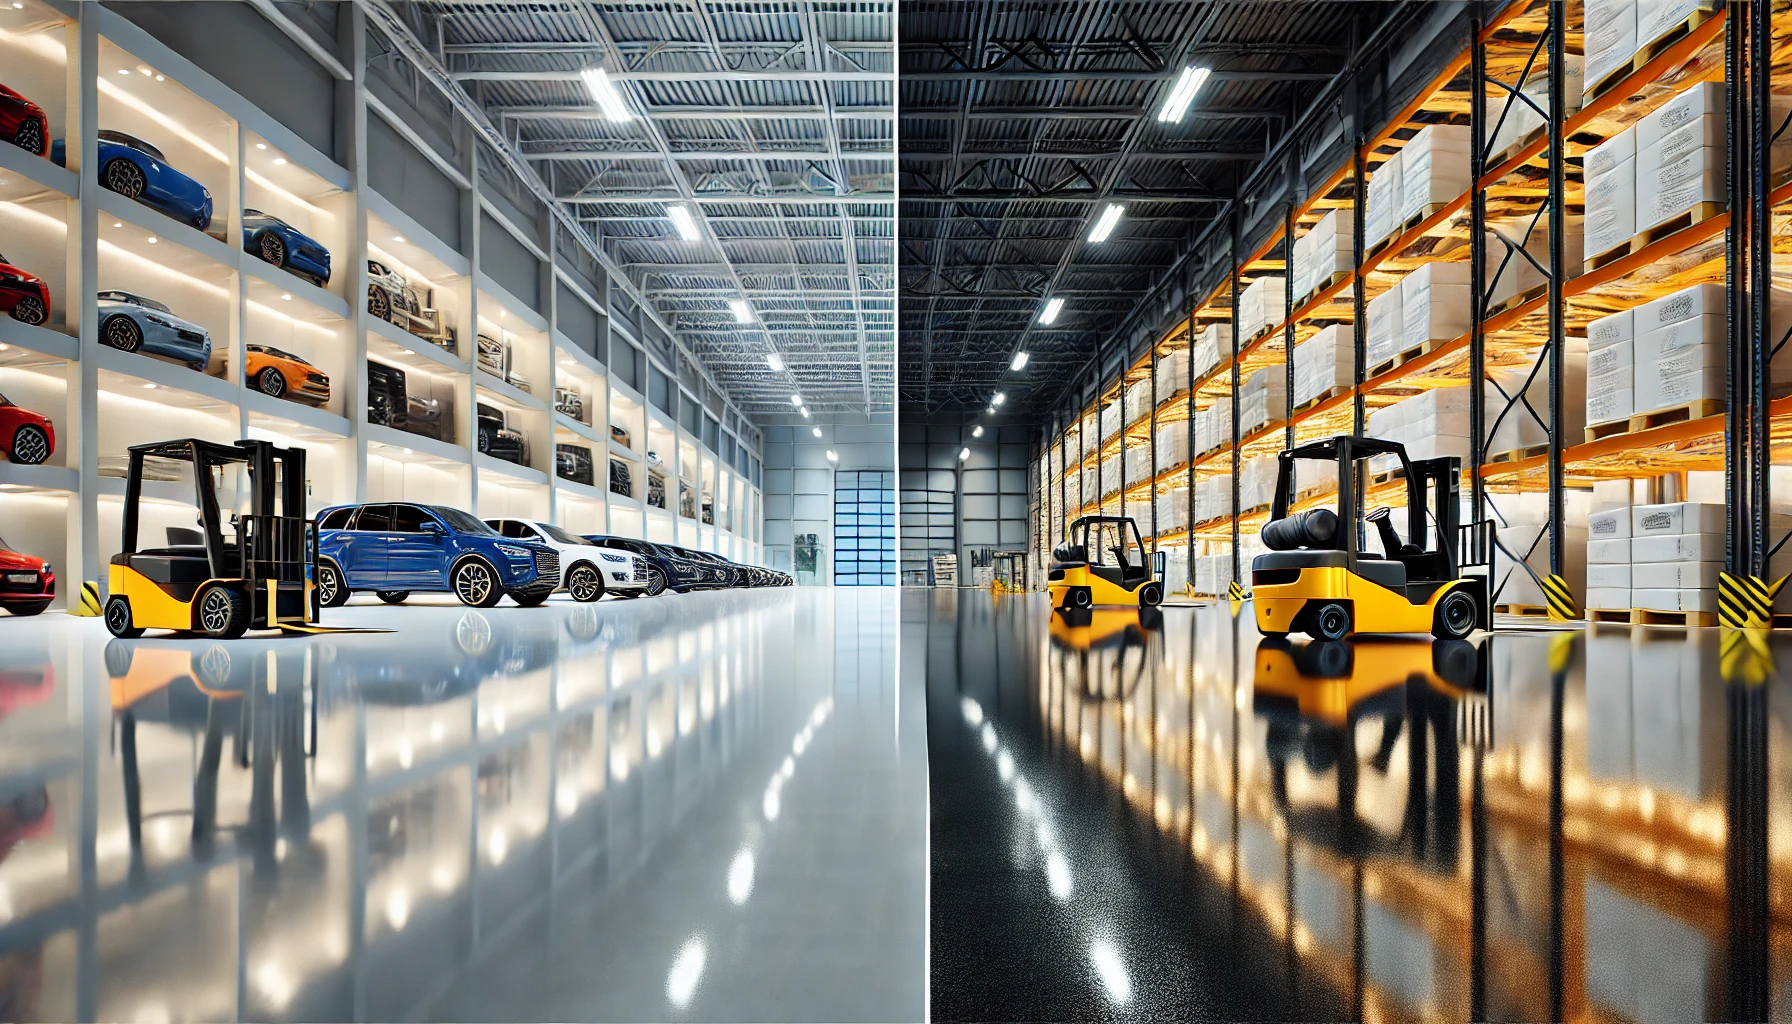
[{"x": 701, "y": 807}]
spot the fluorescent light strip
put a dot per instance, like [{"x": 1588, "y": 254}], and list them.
[
  {"x": 605, "y": 95},
  {"x": 743, "y": 313},
  {"x": 1020, "y": 361},
  {"x": 1184, "y": 93},
  {"x": 1104, "y": 226},
  {"x": 681, "y": 219},
  {"x": 179, "y": 275},
  {"x": 1052, "y": 307},
  {"x": 775, "y": 361}
]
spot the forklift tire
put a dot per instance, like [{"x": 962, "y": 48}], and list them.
[
  {"x": 1151, "y": 595},
  {"x": 392, "y": 596},
  {"x": 223, "y": 613},
  {"x": 1456, "y": 615},
  {"x": 1331, "y": 621},
  {"x": 1078, "y": 597},
  {"x": 330, "y": 589},
  {"x": 118, "y": 618}
]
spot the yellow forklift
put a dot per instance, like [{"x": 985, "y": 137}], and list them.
[
  {"x": 263, "y": 578},
  {"x": 1104, "y": 563},
  {"x": 1317, "y": 579}
]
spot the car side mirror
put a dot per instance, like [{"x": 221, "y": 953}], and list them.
[{"x": 431, "y": 526}]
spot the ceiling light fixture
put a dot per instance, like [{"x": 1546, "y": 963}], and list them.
[
  {"x": 279, "y": 161},
  {"x": 152, "y": 239},
  {"x": 1184, "y": 93},
  {"x": 604, "y": 94},
  {"x": 1105, "y": 225},
  {"x": 1052, "y": 307},
  {"x": 805, "y": 412},
  {"x": 832, "y": 457},
  {"x": 286, "y": 298},
  {"x": 964, "y": 454},
  {"x": 681, "y": 219},
  {"x": 261, "y": 145},
  {"x": 150, "y": 387},
  {"x": 816, "y": 431},
  {"x": 796, "y": 400},
  {"x": 1020, "y": 361},
  {"x": 743, "y": 313},
  {"x": 1001, "y": 396},
  {"x": 977, "y": 431},
  {"x": 775, "y": 361},
  {"x": 398, "y": 238}
]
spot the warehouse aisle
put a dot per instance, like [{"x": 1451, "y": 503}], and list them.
[
  {"x": 708, "y": 806},
  {"x": 1549, "y": 825}
]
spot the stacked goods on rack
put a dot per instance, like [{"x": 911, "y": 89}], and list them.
[
  {"x": 1213, "y": 497},
  {"x": 1138, "y": 403},
  {"x": 1434, "y": 170},
  {"x": 1110, "y": 475},
  {"x": 1138, "y": 465},
  {"x": 1608, "y": 560},
  {"x": 1257, "y": 482},
  {"x": 1680, "y": 157},
  {"x": 1263, "y": 399},
  {"x": 1172, "y": 446},
  {"x": 1213, "y": 573},
  {"x": 1214, "y": 344},
  {"x": 1516, "y": 122},
  {"x": 1109, "y": 424},
  {"x": 1172, "y": 511},
  {"x": 1676, "y": 553},
  {"x": 1381, "y": 213},
  {"x": 1610, "y": 170},
  {"x": 1434, "y": 304},
  {"x": 1521, "y": 523},
  {"x": 1517, "y": 416},
  {"x": 1322, "y": 255},
  {"x": 1261, "y": 306},
  {"x": 1610, "y": 41},
  {"x": 1213, "y": 426},
  {"x": 1172, "y": 374},
  {"x": 1430, "y": 424},
  {"x": 1323, "y": 364}
]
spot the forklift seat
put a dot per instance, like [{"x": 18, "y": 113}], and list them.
[{"x": 1070, "y": 554}]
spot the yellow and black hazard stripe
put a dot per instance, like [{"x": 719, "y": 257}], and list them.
[
  {"x": 1744, "y": 657},
  {"x": 313, "y": 629},
  {"x": 89, "y": 605},
  {"x": 1559, "y": 598},
  {"x": 1744, "y": 602},
  {"x": 1236, "y": 596}
]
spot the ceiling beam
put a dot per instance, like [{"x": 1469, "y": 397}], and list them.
[
  {"x": 704, "y": 154},
  {"x": 1083, "y": 113},
  {"x": 1103, "y": 75},
  {"x": 716, "y": 113},
  {"x": 1088, "y": 196},
  {"x": 793, "y": 199},
  {"x": 744, "y": 76},
  {"x": 1253, "y": 154}
]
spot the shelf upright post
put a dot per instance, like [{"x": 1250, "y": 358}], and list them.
[
  {"x": 1151, "y": 446},
  {"x": 1188, "y": 426},
  {"x": 1477, "y": 243},
  {"x": 1288, "y": 311},
  {"x": 1558, "y": 226},
  {"x": 81, "y": 35},
  {"x": 1237, "y": 249}
]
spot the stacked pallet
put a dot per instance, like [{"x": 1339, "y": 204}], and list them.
[
  {"x": 1263, "y": 399},
  {"x": 1323, "y": 365}
]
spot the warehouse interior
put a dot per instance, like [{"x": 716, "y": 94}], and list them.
[{"x": 895, "y": 510}]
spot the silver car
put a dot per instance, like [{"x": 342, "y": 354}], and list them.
[{"x": 132, "y": 323}]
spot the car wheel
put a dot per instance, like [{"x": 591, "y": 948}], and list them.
[
  {"x": 29, "y": 137},
  {"x": 1455, "y": 616},
  {"x": 530, "y": 600},
  {"x": 379, "y": 303},
  {"x": 30, "y": 445},
  {"x": 656, "y": 581},
  {"x": 273, "y": 250},
  {"x": 122, "y": 333},
  {"x": 392, "y": 596},
  {"x": 123, "y": 177},
  {"x": 332, "y": 592},
  {"x": 30, "y": 310},
  {"x": 118, "y": 618},
  {"x": 476, "y": 583},
  {"x": 584, "y": 583},
  {"x": 223, "y": 612},
  {"x": 271, "y": 382},
  {"x": 1331, "y": 622}
]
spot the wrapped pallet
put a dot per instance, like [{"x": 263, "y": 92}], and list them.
[
  {"x": 1386, "y": 327},
  {"x": 1434, "y": 169},
  {"x": 1110, "y": 421},
  {"x": 1257, "y": 481},
  {"x": 1172, "y": 509},
  {"x": 1261, "y": 306},
  {"x": 1434, "y": 301},
  {"x": 1172, "y": 445},
  {"x": 1518, "y": 120},
  {"x": 1263, "y": 398},
  {"x": 1138, "y": 401},
  {"x": 1516, "y": 427},
  {"x": 1213, "y": 497},
  {"x": 1110, "y": 475},
  {"x": 1323, "y": 363},
  {"x": 1172, "y": 374},
  {"x": 1322, "y": 253},
  {"x": 1176, "y": 575},
  {"x": 1610, "y": 169},
  {"x": 1610, "y": 40},
  {"x": 1212, "y": 345},
  {"x": 1138, "y": 464},
  {"x": 1381, "y": 214}
]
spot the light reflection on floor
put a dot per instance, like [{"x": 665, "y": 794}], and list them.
[
  {"x": 517, "y": 814},
  {"x": 1181, "y": 820}
]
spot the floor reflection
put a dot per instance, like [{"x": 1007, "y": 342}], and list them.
[
  {"x": 1168, "y": 816},
  {"x": 557, "y": 813}
]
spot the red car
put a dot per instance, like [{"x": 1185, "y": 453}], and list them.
[
  {"x": 23, "y": 295},
  {"x": 23, "y": 123},
  {"x": 25, "y": 437},
  {"x": 27, "y": 586}
]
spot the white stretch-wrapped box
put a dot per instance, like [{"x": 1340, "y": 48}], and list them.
[
  {"x": 1211, "y": 345},
  {"x": 1611, "y": 371},
  {"x": 1110, "y": 475},
  {"x": 1257, "y": 481},
  {"x": 1322, "y": 253},
  {"x": 1434, "y": 168},
  {"x": 1138, "y": 401},
  {"x": 1138, "y": 464},
  {"x": 1610, "y": 193},
  {"x": 1172, "y": 509},
  {"x": 1324, "y": 362},
  {"x": 1386, "y": 320},
  {"x": 1517, "y": 119},
  {"x": 1172, "y": 374},
  {"x": 1172, "y": 445},
  {"x": 1260, "y": 307},
  {"x": 1435, "y": 304},
  {"x": 1110, "y": 422},
  {"x": 1381, "y": 214},
  {"x": 1609, "y": 38}
]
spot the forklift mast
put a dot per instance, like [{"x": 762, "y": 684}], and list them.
[{"x": 272, "y": 539}]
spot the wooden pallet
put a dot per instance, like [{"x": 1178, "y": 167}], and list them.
[
  {"x": 1519, "y": 454},
  {"x": 1608, "y": 257},
  {"x": 1605, "y": 430},
  {"x": 1673, "y": 35},
  {"x": 1529, "y": 611},
  {"x": 1431, "y": 210},
  {"x": 1697, "y": 215},
  {"x": 1387, "y": 477},
  {"x": 1320, "y": 399},
  {"x": 1617, "y": 616},
  {"x": 1651, "y": 617},
  {"x": 1515, "y": 301},
  {"x": 1336, "y": 278},
  {"x": 1402, "y": 358},
  {"x": 1660, "y": 418}
]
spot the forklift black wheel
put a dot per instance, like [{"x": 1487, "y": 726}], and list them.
[
  {"x": 223, "y": 613},
  {"x": 1331, "y": 622},
  {"x": 1456, "y": 616},
  {"x": 1151, "y": 595},
  {"x": 528, "y": 600},
  {"x": 331, "y": 593},
  {"x": 1078, "y": 597},
  {"x": 392, "y": 596},
  {"x": 118, "y": 618}
]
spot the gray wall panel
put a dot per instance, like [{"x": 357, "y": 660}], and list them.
[
  {"x": 407, "y": 180},
  {"x": 509, "y": 262}
]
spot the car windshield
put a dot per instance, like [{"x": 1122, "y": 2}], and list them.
[
  {"x": 4, "y": 400},
  {"x": 265, "y": 216},
  {"x": 133, "y": 142},
  {"x": 557, "y": 534},
  {"x": 461, "y": 522},
  {"x": 136, "y": 300}
]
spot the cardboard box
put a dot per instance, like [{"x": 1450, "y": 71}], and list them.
[
  {"x": 1261, "y": 305},
  {"x": 1674, "y": 600},
  {"x": 1610, "y": 368},
  {"x": 1611, "y": 209},
  {"x": 1386, "y": 325},
  {"x": 1213, "y": 344},
  {"x": 1676, "y": 575},
  {"x": 1656, "y": 18},
  {"x": 1656, "y": 391},
  {"x": 1677, "y": 517},
  {"x": 1705, "y": 99},
  {"x": 1608, "y": 575},
  {"x": 1435, "y": 303},
  {"x": 1685, "y": 304},
  {"x": 1609, "y": 552},
  {"x": 1608, "y": 598},
  {"x": 1612, "y": 524},
  {"x": 1381, "y": 212},
  {"x": 1609, "y": 37},
  {"x": 1655, "y": 207},
  {"x": 1323, "y": 362},
  {"x": 1609, "y": 330},
  {"x": 1610, "y": 154},
  {"x": 1616, "y": 405},
  {"x": 1679, "y": 547},
  {"x": 1172, "y": 374},
  {"x": 1434, "y": 168}
]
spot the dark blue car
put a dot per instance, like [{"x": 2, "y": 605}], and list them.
[
  {"x": 395, "y": 550},
  {"x": 137, "y": 170},
  {"x": 275, "y": 241}
]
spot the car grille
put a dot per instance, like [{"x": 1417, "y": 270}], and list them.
[
  {"x": 547, "y": 563},
  {"x": 34, "y": 586},
  {"x": 190, "y": 335},
  {"x": 315, "y": 256}
]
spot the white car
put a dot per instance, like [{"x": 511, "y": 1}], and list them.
[{"x": 587, "y": 572}]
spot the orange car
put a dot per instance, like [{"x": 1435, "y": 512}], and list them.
[{"x": 284, "y": 375}]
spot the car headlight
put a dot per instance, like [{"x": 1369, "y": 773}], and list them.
[
  {"x": 606, "y": 556},
  {"x": 514, "y": 551},
  {"x": 46, "y": 570},
  {"x": 154, "y": 319}
]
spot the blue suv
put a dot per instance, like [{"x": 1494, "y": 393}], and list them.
[{"x": 397, "y": 549}]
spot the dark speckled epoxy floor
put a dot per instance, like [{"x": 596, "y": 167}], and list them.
[{"x": 1167, "y": 819}]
